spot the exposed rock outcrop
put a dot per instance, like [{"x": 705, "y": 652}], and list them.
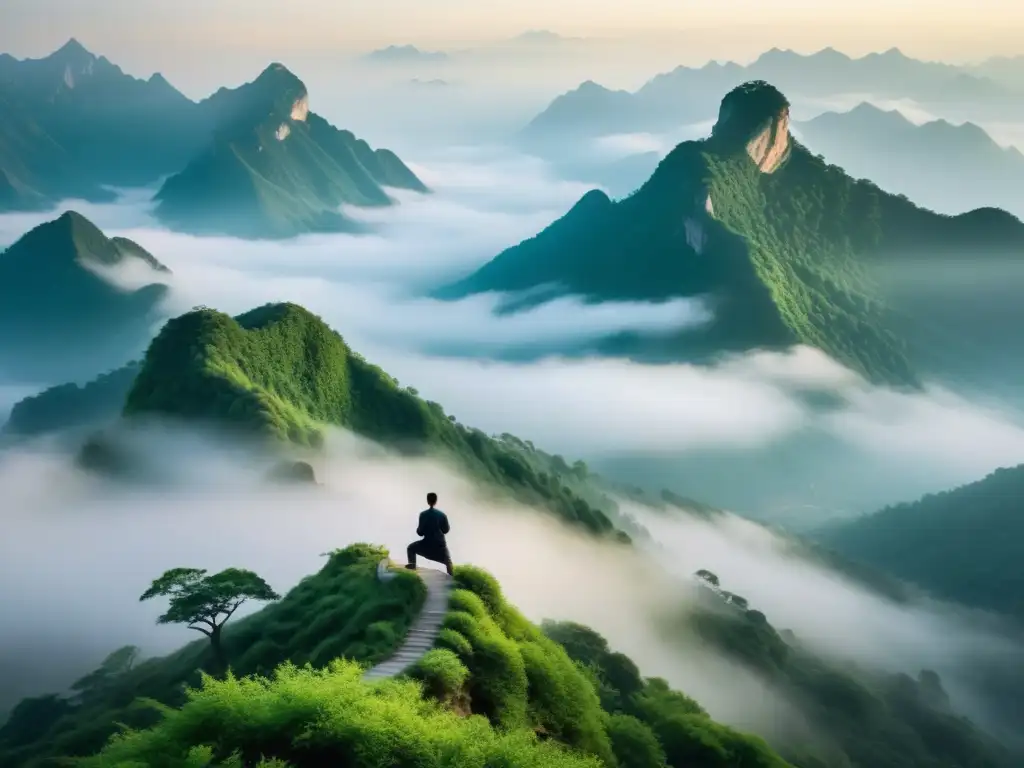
[{"x": 756, "y": 116}]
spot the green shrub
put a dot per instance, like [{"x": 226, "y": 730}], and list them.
[
  {"x": 455, "y": 642},
  {"x": 634, "y": 743},
  {"x": 306, "y": 718},
  {"x": 342, "y": 611},
  {"x": 441, "y": 672},
  {"x": 483, "y": 585}
]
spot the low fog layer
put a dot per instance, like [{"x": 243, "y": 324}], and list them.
[
  {"x": 613, "y": 407},
  {"x": 369, "y": 288},
  {"x": 76, "y": 553}
]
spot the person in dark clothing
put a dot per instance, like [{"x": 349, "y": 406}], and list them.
[{"x": 432, "y": 527}]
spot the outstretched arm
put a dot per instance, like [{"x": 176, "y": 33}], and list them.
[{"x": 445, "y": 528}]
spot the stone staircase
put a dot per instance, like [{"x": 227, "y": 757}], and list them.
[{"x": 424, "y": 630}]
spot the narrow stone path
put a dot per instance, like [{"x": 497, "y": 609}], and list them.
[{"x": 424, "y": 630}]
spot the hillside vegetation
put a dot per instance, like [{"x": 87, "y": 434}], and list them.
[
  {"x": 496, "y": 690},
  {"x": 280, "y": 372},
  {"x": 847, "y": 716},
  {"x": 966, "y": 544},
  {"x": 342, "y": 611},
  {"x": 785, "y": 253}
]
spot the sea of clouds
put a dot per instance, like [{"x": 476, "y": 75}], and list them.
[{"x": 75, "y": 554}]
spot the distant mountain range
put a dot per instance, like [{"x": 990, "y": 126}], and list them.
[
  {"x": 948, "y": 168},
  {"x": 405, "y": 54},
  {"x": 251, "y": 161},
  {"x": 62, "y": 313},
  {"x": 966, "y": 544},
  {"x": 690, "y": 95},
  {"x": 1008, "y": 70},
  {"x": 781, "y": 242}
]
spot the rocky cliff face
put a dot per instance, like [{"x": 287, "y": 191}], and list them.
[
  {"x": 770, "y": 147},
  {"x": 300, "y": 108},
  {"x": 755, "y": 116}
]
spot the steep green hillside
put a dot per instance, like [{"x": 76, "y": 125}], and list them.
[
  {"x": 342, "y": 611},
  {"x": 280, "y": 372},
  {"x": 274, "y": 169},
  {"x": 966, "y": 544},
  {"x": 781, "y": 242},
  {"x": 519, "y": 675},
  {"x": 848, "y": 716},
  {"x": 495, "y": 691},
  {"x": 59, "y": 315}
]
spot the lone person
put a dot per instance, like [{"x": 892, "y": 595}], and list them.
[{"x": 432, "y": 527}]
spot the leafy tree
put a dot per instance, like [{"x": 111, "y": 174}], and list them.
[{"x": 204, "y": 603}]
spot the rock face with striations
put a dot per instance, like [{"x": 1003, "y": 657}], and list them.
[{"x": 756, "y": 114}]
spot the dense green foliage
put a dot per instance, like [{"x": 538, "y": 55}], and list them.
[
  {"x": 275, "y": 170},
  {"x": 651, "y": 724},
  {"x": 303, "y": 718},
  {"x": 786, "y": 255},
  {"x": 59, "y": 316},
  {"x": 846, "y": 716},
  {"x": 442, "y": 673},
  {"x": 964, "y": 544},
  {"x": 205, "y": 602},
  {"x": 499, "y": 691},
  {"x": 519, "y": 678},
  {"x": 280, "y": 371},
  {"x": 341, "y": 611}
]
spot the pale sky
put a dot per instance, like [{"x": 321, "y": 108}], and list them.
[
  {"x": 182, "y": 37},
  {"x": 33, "y": 25}
]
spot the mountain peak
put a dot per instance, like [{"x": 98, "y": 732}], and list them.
[
  {"x": 747, "y": 108},
  {"x": 277, "y": 93},
  {"x": 72, "y": 53},
  {"x": 72, "y": 221},
  {"x": 72, "y": 48},
  {"x": 892, "y": 56},
  {"x": 278, "y": 74},
  {"x": 755, "y": 116}
]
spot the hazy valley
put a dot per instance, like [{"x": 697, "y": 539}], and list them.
[{"x": 711, "y": 376}]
